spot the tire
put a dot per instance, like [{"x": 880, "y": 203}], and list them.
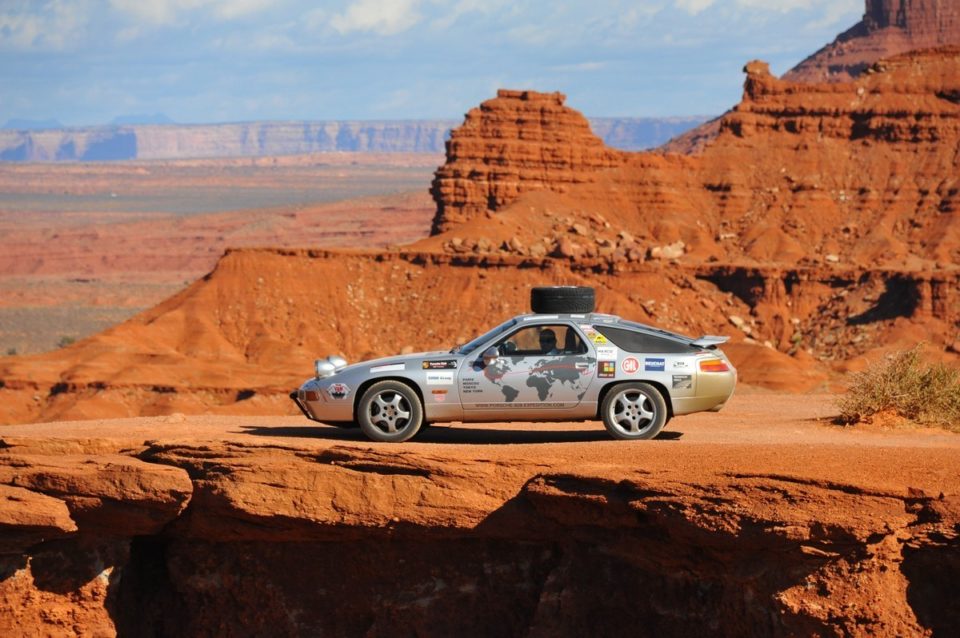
[
  {"x": 562, "y": 299},
  {"x": 390, "y": 412},
  {"x": 634, "y": 411}
]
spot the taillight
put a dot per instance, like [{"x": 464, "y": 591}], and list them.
[{"x": 714, "y": 365}]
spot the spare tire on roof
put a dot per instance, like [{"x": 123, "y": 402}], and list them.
[{"x": 562, "y": 299}]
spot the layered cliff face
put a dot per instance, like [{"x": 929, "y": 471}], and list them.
[
  {"x": 519, "y": 141},
  {"x": 248, "y": 527},
  {"x": 889, "y": 27}
]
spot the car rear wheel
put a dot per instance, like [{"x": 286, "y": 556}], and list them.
[
  {"x": 634, "y": 411},
  {"x": 390, "y": 412}
]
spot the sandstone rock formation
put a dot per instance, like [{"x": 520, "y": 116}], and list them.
[
  {"x": 889, "y": 27},
  {"x": 517, "y": 142},
  {"x": 233, "y": 527},
  {"x": 860, "y": 171}
]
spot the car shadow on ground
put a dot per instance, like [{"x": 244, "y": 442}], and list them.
[{"x": 467, "y": 434}]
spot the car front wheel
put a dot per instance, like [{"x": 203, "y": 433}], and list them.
[
  {"x": 390, "y": 411},
  {"x": 634, "y": 411}
]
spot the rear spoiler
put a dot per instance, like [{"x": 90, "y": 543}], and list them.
[{"x": 710, "y": 341}]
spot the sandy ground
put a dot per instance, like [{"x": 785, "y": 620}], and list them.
[{"x": 757, "y": 433}]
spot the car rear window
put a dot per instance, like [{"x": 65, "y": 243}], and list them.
[{"x": 636, "y": 341}]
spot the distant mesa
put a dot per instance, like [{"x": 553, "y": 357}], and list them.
[{"x": 146, "y": 137}]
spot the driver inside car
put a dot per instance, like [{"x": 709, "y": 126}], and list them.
[{"x": 548, "y": 342}]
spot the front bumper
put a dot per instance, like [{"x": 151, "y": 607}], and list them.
[
  {"x": 295, "y": 396},
  {"x": 313, "y": 398}
]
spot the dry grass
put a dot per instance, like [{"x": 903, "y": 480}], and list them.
[{"x": 902, "y": 384}]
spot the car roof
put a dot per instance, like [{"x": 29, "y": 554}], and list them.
[{"x": 590, "y": 317}]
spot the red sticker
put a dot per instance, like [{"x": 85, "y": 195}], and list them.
[
  {"x": 339, "y": 390},
  {"x": 630, "y": 365}
]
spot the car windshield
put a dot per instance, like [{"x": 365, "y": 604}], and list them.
[{"x": 479, "y": 341}]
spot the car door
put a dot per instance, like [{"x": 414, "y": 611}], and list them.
[{"x": 543, "y": 371}]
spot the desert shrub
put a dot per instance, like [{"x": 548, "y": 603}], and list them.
[
  {"x": 65, "y": 341},
  {"x": 11, "y": 352},
  {"x": 925, "y": 393}
]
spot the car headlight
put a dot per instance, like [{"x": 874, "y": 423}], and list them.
[{"x": 339, "y": 363}]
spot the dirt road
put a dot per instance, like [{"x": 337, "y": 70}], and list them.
[{"x": 756, "y": 433}]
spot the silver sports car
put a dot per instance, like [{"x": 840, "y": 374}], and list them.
[{"x": 534, "y": 367}]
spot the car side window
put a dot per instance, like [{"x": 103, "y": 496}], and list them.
[
  {"x": 542, "y": 340},
  {"x": 636, "y": 341}
]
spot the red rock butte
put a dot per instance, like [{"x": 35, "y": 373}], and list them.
[
  {"x": 518, "y": 141},
  {"x": 889, "y": 27}
]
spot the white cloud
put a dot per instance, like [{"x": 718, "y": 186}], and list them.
[
  {"x": 156, "y": 12},
  {"x": 464, "y": 7},
  {"x": 833, "y": 8},
  {"x": 579, "y": 67},
  {"x": 693, "y": 7},
  {"x": 230, "y": 9},
  {"x": 384, "y": 17},
  {"x": 785, "y": 6},
  {"x": 167, "y": 12},
  {"x": 53, "y": 25}
]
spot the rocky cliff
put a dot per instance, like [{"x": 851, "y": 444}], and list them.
[
  {"x": 889, "y": 27},
  {"x": 203, "y": 527}
]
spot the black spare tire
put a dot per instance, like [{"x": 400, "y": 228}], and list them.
[{"x": 562, "y": 299}]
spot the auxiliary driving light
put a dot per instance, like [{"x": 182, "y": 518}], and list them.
[{"x": 324, "y": 368}]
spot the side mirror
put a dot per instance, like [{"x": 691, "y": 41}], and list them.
[{"x": 490, "y": 355}]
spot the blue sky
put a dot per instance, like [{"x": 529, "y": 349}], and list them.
[{"x": 88, "y": 61}]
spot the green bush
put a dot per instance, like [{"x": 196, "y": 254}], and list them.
[
  {"x": 902, "y": 384},
  {"x": 65, "y": 341}
]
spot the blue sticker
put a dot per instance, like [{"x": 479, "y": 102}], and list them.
[{"x": 654, "y": 365}]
